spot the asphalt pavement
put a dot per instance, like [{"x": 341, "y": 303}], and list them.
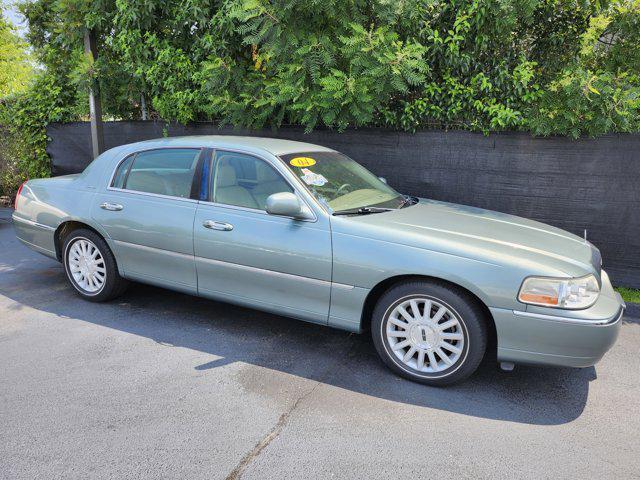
[{"x": 162, "y": 385}]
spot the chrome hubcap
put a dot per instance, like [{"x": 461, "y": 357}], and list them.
[
  {"x": 86, "y": 265},
  {"x": 425, "y": 335}
]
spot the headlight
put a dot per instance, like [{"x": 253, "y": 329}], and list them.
[{"x": 570, "y": 293}]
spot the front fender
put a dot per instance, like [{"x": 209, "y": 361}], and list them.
[{"x": 365, "y": 262}]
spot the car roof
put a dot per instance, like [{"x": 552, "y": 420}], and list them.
[{"x": 275, "y": 146}]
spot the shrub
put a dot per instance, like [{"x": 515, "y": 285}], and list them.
[
  {"x": 24, "y": 118},
  {"x": 552, "y": 67}
]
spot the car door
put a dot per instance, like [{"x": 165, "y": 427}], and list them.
[
  {"x": 148, "y": 212},
  {"x": 247, "y": 256}
]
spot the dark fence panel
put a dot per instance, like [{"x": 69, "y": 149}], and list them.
[{"x": 591, "y": 184}]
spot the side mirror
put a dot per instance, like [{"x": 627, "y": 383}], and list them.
[
  {"x": 382, "y": 179},
  {"x": 287, "y": 204}
]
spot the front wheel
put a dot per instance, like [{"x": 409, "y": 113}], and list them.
[
  {"x": 91, "y": 267},
  {"x": 429, "y": 332}
]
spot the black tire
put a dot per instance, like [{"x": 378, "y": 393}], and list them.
[
  {"x": 460, "y": 306},
  {"x": 113, "y": 286}
]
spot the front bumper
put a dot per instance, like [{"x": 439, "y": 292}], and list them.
[{"x": 547, "y": 336}]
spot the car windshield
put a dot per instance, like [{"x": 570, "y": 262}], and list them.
[{"x": 341, "y": 183}]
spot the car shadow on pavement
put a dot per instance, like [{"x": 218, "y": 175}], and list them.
[{"x": 544, "y": 396}]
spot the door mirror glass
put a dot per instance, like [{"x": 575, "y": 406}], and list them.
[{"x": 287, "y": 205}]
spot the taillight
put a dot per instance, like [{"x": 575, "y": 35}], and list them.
[{"x": 15, "y": 204}]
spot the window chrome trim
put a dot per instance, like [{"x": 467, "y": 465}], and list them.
[
  {"x": 156, "y": 195},
  {"x": 569, "y": 320},
  {"x": 234, "y": 207},
  {"x": 262, "y": 212}
]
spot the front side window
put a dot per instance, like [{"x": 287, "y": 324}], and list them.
[
  {"x": 244, "y": 180},
  {"x": 167, "y": 171},
  {"x": 341, "y": 183}
]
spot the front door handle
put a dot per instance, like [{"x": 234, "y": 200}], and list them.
[
  {"x": 213, "y": 225},
  {"x": 113, "y": 207}
]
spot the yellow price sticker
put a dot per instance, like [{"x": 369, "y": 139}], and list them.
[{"x": 302, "y": 162}]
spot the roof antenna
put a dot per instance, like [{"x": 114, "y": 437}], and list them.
[{"x": 585, "y": 234}]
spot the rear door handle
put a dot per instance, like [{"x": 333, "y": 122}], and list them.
[
  {"x": 114, "y": 207},
  {"x": 213, "y": 225}
]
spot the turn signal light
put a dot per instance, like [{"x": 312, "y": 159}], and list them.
[
  {"x": 538, "y": 299},
  {"x": 570, "y": 293}
]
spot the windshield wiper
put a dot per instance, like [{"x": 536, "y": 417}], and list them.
[{"x": 362, "y": 211}]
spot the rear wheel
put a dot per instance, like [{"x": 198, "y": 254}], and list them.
[
  {"x": 429, "y": 332},
  {"x": 91, "y": 267}
]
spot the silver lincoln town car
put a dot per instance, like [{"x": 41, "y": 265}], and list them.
[{"x": 306, "y": 232}]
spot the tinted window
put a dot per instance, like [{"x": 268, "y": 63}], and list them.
[
  {"x": 121, "y": 173},
  {"x": 244, "y": 181},
  {"x": 163, "y": 172}
]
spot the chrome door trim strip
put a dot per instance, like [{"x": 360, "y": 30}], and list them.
[
  {"x": 238, "y": 266},
  {"x": 31, "y": 222},
  {"x": 38, "y": 248},
  {"x": 579, "y": 321},
  {"x": 342, "y": 286},
  {"x": 274, "y": 273},
  {"x": 153, "y": 249},
  {"x": 156, "y": 195}
]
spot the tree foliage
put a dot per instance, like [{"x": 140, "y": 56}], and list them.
[
  {"x": 475, "y": 64},
  {"x": 46, "y": 95},
  {"x": 568, "y": 67},
  {"x": 16, "y": 68},
  {"x": 16, "y": 71}
]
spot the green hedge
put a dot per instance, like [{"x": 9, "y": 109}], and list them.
[
  {"x": 24, "y": 118},
  {"x": 552, "y": 67},
  {"x": 565, "y": 67}
]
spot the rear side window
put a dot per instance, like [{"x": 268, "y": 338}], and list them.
[
  {"x": 162, "y": 172},
  {"x": 121, "y": 173}
]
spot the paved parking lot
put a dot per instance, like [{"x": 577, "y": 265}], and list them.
[{"x": 163, "y": 385}]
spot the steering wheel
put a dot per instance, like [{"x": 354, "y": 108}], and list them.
[{"x": 344, "y": 186}]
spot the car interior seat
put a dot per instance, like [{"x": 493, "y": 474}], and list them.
[
  {"x": 147, "y": 181},
  {"x": 268, "y": 182},
  {"x": 227, "y": 190}
]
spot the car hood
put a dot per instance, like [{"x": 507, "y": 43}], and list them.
[{"x": 485, "y": 235}]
